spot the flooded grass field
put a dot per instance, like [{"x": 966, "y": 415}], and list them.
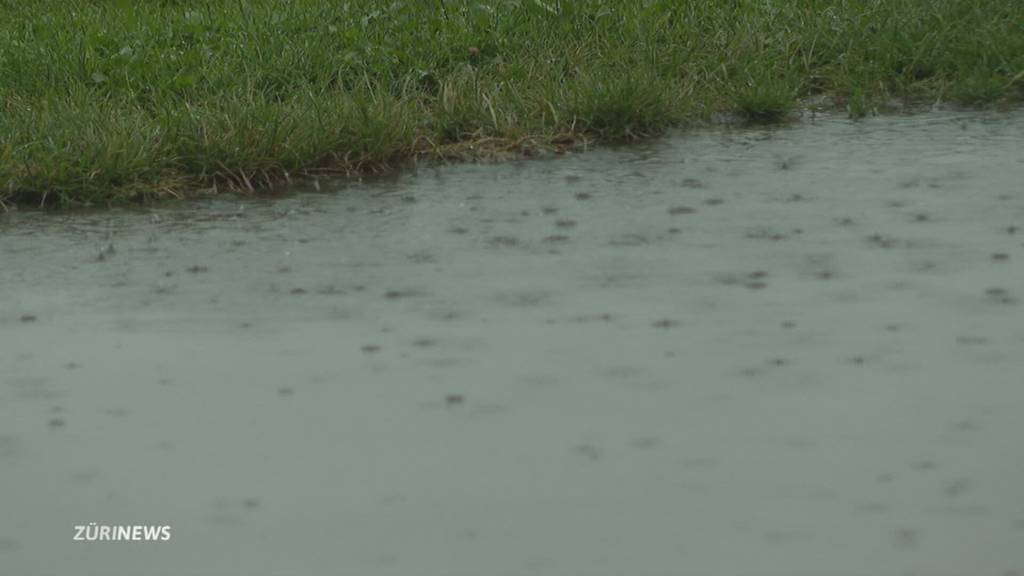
[{"x": 792, "y": 351}]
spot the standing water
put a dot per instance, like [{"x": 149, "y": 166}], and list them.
[{"x": 792, "y": 351}]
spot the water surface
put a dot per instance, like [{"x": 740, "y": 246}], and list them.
[{"x": 792, "y": 351}]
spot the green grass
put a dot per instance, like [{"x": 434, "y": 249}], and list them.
[{"x": 105, "y": 101}]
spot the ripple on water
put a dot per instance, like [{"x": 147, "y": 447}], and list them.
[{"x": 9, "y": 545}]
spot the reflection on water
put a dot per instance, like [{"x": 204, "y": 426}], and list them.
[{"x": 788, "y": 351}]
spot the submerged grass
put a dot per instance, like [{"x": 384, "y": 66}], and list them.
[{"x": 104, "y": 101}]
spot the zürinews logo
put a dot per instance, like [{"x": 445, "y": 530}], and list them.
[{"x": 93, "y": 532}]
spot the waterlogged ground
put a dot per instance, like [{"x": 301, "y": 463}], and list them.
[{"x": 794, "y": 351}]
